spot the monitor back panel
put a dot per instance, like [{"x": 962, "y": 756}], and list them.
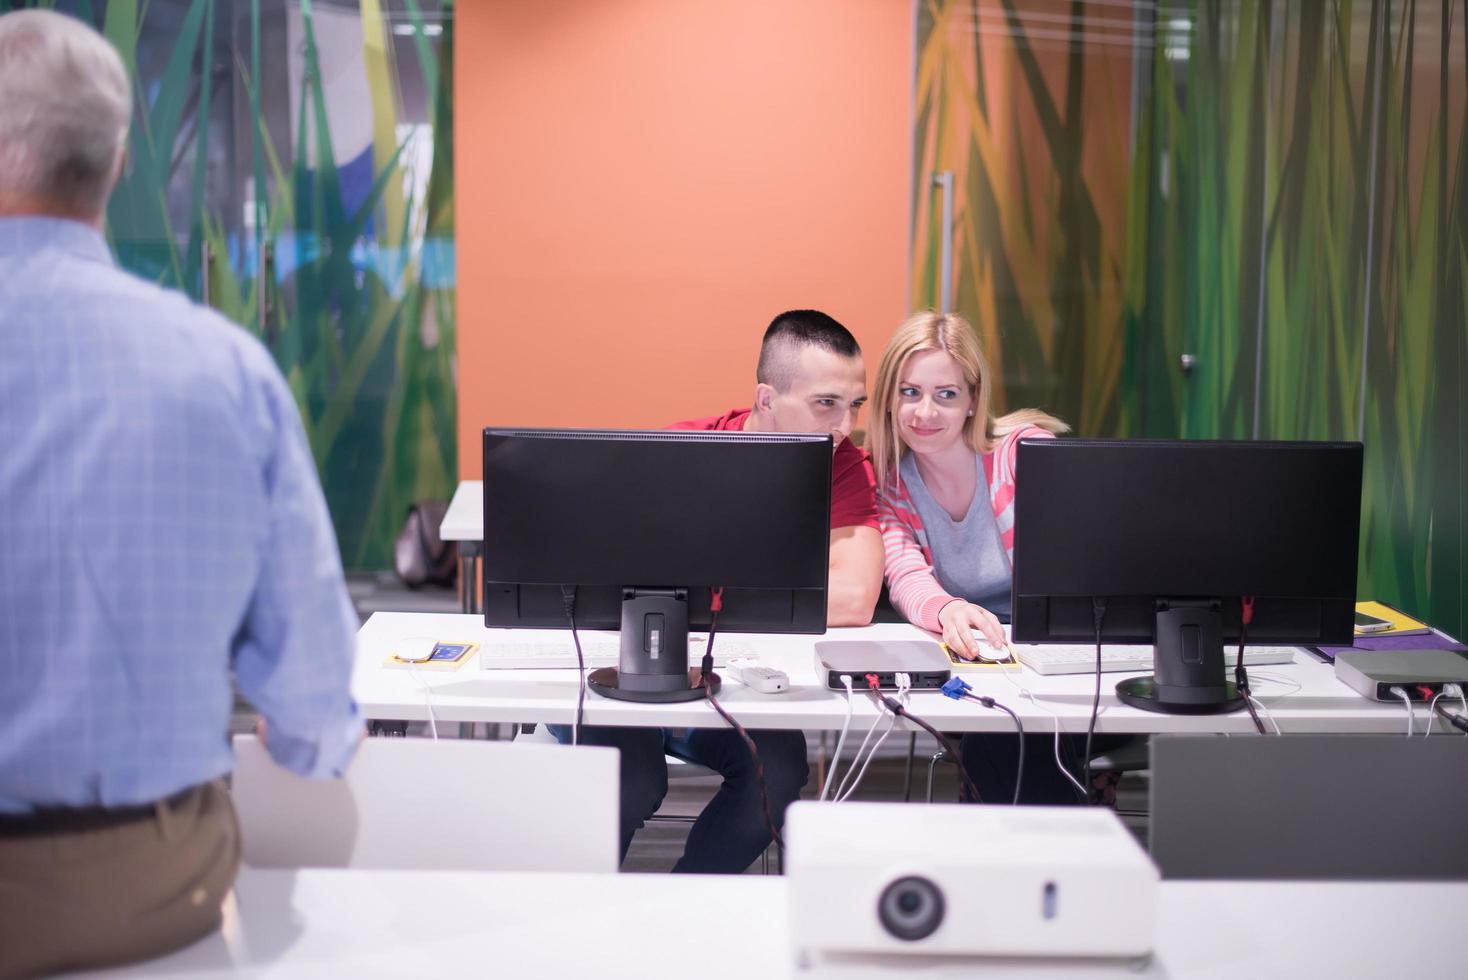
[
  {"x": 1309, "y": 806},
  {"x": 1134, "y": 520},
  {"x": 605, "y": 510}
]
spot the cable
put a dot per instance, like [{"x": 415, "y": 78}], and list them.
[
  {"x": 841, "y": 740},
  {"x": 948, "y": 747},
  {"x": 1055, "y": 716},
  {"x": 1394, "y": 689},
  {"x": 1241, "y": 676},
  {"x": 716, "y": 603},
  {"x": 1255, "y": 701},
  {"x": 1019, "y": 772},
  {"x": 1261, "y": 675},
  {"x": 568, "y": 599},
  {"x": 842, "y": 792},
  {"x": 845, "y": 793},
  {"x": 958, "y": 689},
  {"x": 427, "y": 699},
  {"x": 1432, "y": 713},
  {"x": 851, "y": 770},
  {"x": 1459, "y": 722},
  {"x": 759, "y": 768},
  {"x": 1098, "y": 611}
]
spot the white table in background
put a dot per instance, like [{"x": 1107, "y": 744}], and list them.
[
  {"x": 320, "y": 923},
  {"x": 1302, "y": 697},
  {"x": 463, "y": 524}
]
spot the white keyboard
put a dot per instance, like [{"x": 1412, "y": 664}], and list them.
[
  {"x": 597, "y": 649},
  {"x": 1044, "y": 658}
]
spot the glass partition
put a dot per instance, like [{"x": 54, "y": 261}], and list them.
[
  {"x": 291, "y": 164},
  {"x": 1217, "y": 218}
]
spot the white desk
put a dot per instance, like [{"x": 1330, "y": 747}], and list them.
[
  {"x": 317, "y": 922},
  {"x": 463, "y": 523},
  {"x": 1303, "y": 696},
  {"x": 464, "y": 520}
]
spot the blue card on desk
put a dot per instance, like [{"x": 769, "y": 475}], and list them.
[{"x": 445, "y": 656}]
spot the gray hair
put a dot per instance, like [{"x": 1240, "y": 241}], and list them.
[{"x": 65, "y": 106}]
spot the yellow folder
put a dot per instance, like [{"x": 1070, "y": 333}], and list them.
[{"x": 1402, "y": 624}]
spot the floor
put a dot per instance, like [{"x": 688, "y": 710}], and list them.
[{"x": 658, "y": 845}]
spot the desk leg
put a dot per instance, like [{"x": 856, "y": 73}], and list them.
[{"x": 469, "y": 576}]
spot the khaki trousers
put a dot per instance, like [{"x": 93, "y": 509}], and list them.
[{"x": 92, "y": 898}]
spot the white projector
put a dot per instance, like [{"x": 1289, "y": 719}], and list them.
[{"x": 966, "y": 879}]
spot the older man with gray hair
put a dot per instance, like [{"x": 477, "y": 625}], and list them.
[{"x": 161, "y": 527}]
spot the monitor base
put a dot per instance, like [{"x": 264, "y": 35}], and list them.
[
  {"x": 603, "y": 681},
  {"x": 1141, "y": 692}
]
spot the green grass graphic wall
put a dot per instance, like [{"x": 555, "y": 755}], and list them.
[
  {"x": 1274, "y": 188},
  {"x": 356, "y": 305}
]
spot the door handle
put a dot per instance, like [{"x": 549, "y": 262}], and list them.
[{"x": 945, "y": 276}]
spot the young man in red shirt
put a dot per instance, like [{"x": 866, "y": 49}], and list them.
[{"x": 810, "y": 379}]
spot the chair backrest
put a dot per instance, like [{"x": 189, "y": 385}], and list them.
[
  {"x": 1309, "y": 806},
  {"x": 422, "y": 804}
]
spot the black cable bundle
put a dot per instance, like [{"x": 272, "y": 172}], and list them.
[
  {"x": 706, "y": 669},
  {"x": 1241, "y": 676},
  {"x": 568, "y": 598}
]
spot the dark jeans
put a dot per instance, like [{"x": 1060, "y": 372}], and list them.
[
  {"x": 992, "y": 762},
  {"x": 730, "y": 832}
]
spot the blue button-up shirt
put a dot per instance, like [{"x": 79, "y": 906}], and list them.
[{"x": 161, "y": 524}]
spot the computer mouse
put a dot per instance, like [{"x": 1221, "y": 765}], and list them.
[
  {"x": 987, "y": 650},
  {"x": 415, "y": 649}
]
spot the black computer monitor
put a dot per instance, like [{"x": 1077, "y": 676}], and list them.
[
  {"x": 644, "y": 525},
  {"x": 1165, "y": 538}
]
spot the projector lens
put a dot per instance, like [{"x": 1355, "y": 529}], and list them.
[{"x": 910, "y": 908}]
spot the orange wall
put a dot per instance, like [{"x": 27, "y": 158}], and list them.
[{"x": 643, "y": 184}]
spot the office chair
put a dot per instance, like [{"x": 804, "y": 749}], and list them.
[{"x": 430, "y": 805}]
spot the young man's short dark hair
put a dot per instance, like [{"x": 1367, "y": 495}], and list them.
[{"x": 796, "y": 329}]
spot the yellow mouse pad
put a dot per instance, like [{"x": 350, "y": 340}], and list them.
[
  {"x": 958, "y": 663},
  {"x": 445, "y": 656}
]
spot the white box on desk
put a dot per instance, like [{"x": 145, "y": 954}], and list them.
[{"x": 1006, "y": 881}]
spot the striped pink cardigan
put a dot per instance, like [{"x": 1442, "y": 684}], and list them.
[{"x": 911, "y": 581}]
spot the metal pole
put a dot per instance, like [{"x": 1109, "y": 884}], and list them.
[{"x": 945, "y": 288}]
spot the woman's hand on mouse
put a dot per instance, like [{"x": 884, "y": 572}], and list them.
[{"x": 959, "y": 617}]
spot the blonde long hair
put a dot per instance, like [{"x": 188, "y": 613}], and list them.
[{"x": 951, "y": 334}]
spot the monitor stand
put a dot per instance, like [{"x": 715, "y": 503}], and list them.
[
  {"x": 653, "y": 660},
  {"x": 1189, "y": 677}
]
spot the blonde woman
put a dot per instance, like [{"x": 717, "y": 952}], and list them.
[
  {"x": 945, "y": 502},
  {"x": 945, "y": 480}
]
